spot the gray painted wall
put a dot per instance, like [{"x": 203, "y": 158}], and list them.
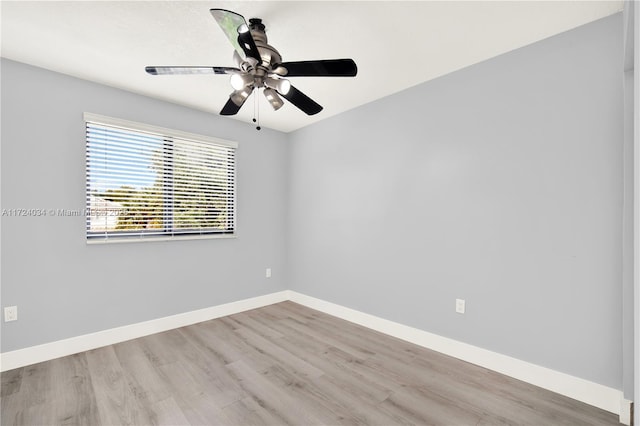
[
  {"x": 636, "y": 181},
  {"x": 65, "y": 288},
  {"x": 627, "y": 241},
  {"x": 628, "y": 205},
  {"x": 500, "y": 184}
]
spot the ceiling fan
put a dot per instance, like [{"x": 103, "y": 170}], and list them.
[{"x": 260, "y": 66}]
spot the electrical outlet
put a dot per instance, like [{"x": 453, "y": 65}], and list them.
[
  {"x": 10, "y": 313},
  {"x": 267, "y": 273},
  {"x": 460, "y": 306}
]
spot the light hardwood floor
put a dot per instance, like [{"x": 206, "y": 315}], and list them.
[{"x": 281, "y": 364}]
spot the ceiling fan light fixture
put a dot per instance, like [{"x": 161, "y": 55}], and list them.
[
  {"x": 282, "y": 85},
  {"x": 239, "y": 96},
  {"x": 273, "y": 98},
  {"x": 239, "y": 81}
]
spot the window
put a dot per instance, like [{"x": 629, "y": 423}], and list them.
[{"x": 148, "y": 182}]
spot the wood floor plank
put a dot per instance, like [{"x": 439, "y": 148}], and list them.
[
  {"x": 279, "y": 356},
  {"x": 12, "y": 410},
  {"x": 249, "y": 412},
  {"x": 200, "y": 409},
  {"x": 177, "y": 362},
  {"x": 433, "y": 410},
  {"x": 278, "y": 401},
  {"x": 323, "y": 336},
  {"x": 141, "y": 374},
  {"x": 282, "y": 310},
  {"x": 332, "y": 361},
  {"x": 359, "y": 401},
  {"x": 339, "y": 369},
  {"x": 117, "y": 405},
  {"x": 258, "y": 323},
  {"x": 368, "y": 341},
  {"x": 220, "y": 340},
  {"x": 57, "y": 392},
  {"x": 277, "y": 365},
  {"x": 74, "y": 401},
  {"x": 197, "y": 374},
  {"x": 152, "y": 392},
  {"x": 35, "y": 387},
  {"x": 168, "y": 412},
  {"x": 11, "y": 382},
  {"x": 160, "y": 379}
]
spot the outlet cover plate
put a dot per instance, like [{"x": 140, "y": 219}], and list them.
[{"x": 10, "y": 313}]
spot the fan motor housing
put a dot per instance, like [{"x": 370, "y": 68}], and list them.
[{"x": 268, "y": 53}]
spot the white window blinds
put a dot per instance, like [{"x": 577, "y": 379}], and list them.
[{"x": 146, "y": 182}]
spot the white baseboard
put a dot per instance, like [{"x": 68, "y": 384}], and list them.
[
  {"x": 600, "y": 396},
  {"x": 73, "y": 345},
  {"x": 625, "y": 412}
]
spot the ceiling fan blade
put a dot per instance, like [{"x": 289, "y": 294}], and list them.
[
  {"x": 230, "y": 108},
  {"x": 302, "y": 101},
  {"x": 237, "y": 31},
  {"x": 321, "y": 68},
  {"x": 236, "y": 100},
  {"x": 166, "y": 70}
]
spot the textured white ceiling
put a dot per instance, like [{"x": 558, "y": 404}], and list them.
[{"x": 395, "y": 44}]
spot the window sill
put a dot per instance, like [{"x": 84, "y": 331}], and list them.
[{"x": 116, "y": 240}]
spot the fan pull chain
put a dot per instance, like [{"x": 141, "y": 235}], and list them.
[{"x": 256, "y": 110}]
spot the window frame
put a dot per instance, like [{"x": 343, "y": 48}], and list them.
[{"x": 169, "y": 134}]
